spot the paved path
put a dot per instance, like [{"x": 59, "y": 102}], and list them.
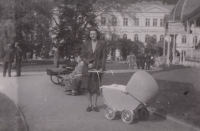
[{"x": 47, "y": 108}]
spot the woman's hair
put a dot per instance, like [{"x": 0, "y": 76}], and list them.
[{"x": 93, "y": 29}]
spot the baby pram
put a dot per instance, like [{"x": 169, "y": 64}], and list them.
[{"x": 131, "y": 100}]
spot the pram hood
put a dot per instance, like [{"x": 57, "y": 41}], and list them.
[{"x": 143, "y": 87}]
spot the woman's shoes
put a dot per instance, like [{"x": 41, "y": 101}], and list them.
[
  {"x": 95, "y": 109},
  {"x": 89, "y": 109}
]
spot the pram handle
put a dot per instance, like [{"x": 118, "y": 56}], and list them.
[
  {"x": 101, "y": 72},
  {"x": 127, "y": 93}
]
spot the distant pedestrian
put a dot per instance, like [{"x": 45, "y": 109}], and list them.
[
  {"x": 56, "y": 56},
  {"x": 138, "y": 61},
  {"x": 148, "y": 61},
  {"x": 142, "y": 58},
  {"x": 128, "y": 61},
  {"x": 132, "y": 58},
  {"x": 18, "y": 58},
  {"x": 8, "y": 59}
]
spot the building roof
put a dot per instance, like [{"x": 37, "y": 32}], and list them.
[
  {"x": 182, "y": 9},
  {"x": 141, "y": 7}
]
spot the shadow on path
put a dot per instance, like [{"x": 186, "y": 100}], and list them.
[{"x": 11, "y": 116}]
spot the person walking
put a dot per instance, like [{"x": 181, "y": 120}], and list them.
[
  {"x": 8, "y": 59},
  {"x": 128, "y": 61},
  {"x": 132, "y": 60},
  {"x": 18, "y": 58},
  {"x": 94, "y": 57},
  {"x": 56, "y": 56},
  {"x": 148, "y": 61}
]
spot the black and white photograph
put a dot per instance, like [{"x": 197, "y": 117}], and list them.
[{"x": 99, "y": 65}]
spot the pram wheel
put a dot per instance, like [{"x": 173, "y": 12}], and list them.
[
  {"x": 127, "y": 116},
  {"x": 143, "y": 114},
  {"x": 110, "y": 113}
]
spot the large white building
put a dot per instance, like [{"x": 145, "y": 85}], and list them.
[
  {"x": 138, "y": 22},
  {"x": 183, "y": 29}
]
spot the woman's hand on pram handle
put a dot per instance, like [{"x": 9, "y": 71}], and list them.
[{"x": 90, "y": 65}]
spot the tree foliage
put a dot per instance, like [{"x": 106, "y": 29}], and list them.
[
  {"x": 126, "y": 46},
  {"x": 32, "y": 24},
  {"x": 7, "y": 31},
  {"x": 76, "y": 16}
]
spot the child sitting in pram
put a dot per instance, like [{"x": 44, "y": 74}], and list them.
[{"x": 73, "y": 80}]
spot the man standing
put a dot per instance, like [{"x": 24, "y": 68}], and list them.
[
  {"x": 8, "y": 58},
  {"x": 148, "y": 61},
  {"x": 132, "y": 60},
  {"x": 56, "y": 56},
  {"x": 18, "y": 57}
]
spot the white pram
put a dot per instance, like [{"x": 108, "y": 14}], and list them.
[{"x": 131, "y": 100}]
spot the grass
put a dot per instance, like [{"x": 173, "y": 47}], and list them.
[
  {"x": 179, "y": 100},
  {"x": 10, "y": 116}
]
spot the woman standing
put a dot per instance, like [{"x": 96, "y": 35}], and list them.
[{"x": 94, "y": 57}]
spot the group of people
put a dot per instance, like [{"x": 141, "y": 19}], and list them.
[
  {"x": 9, "y": 56},
  {"x": 93, "y": 56},
  {"x": 143, "y": 61}
]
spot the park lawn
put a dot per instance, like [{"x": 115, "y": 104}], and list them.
[
  {"x": 10, "y": 116},
  {"x": 175, "y": 99}
]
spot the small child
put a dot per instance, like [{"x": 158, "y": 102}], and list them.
[{"x": 73, "y": 80}]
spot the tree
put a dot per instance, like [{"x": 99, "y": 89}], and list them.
[
  {"x": 76, "y": 16},
  {"x": 32, "y": 24},
  {"x": 126, "y": 46},
  {"x": 7, "y": 31}
]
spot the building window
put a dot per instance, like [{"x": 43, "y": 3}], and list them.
[
  {"x": 147, "y": 22},
  {"x": 125, "y": 36},
  {"x": 136, "y": 37},
  {"x": 114, "y": 21},
  {"x": 195, "y": 38},
  {"x": 125, "y": 22},
  {"x": 154, "y": 22},
  {"x": 147, "y": 38},
  {"x": 137, "y": 22},
  {"x": 184, "y": 39},
  {"x": 161, "y": 22},
  {"x": 162, "y": 38},
  {"x": 155, "y": 38},
  {"x": 103, "y": 21}
]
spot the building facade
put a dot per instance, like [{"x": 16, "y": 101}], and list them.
[{"x": 138, "y": 22}]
